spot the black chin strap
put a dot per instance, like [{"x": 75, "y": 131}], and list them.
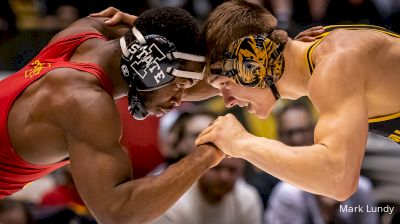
[
  {"x": 270, "y": 82},
  {"x": 135, "y": 105}
]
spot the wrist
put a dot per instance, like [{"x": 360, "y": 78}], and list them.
[
  {"x": 245, "y": 145},
  {"x": 131, "y": 20},
  {"x": 208, "y": 153}
]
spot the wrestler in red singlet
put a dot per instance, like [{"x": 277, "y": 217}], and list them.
[{"x": 15, "y": 173}]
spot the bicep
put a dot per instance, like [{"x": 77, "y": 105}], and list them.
[
  {"x": 346, "y": 125},
  {"x": 343, "y": 121},
  {"x": 98, "y": 163},
  {"x": 97, "y": 175}
]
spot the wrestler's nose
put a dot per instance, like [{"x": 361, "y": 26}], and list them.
[
  {"x": 176, "y": 100},
  {"x": 230, "y": 101}
]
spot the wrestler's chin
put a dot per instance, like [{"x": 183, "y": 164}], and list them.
[
  {"x": 154, "y": 112},
  {"x": 262, "y": 115},
  {"x": 159, "y": 112},
  {"x": 255, "y": 111}
]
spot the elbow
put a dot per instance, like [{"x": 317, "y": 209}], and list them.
[
  {"x": 114, "y": 212},
  {"x": 110, "y": 216},
  {"x": 129, "y": 210},
  {"x": 343, "y": 193},
  {"x": 344, "y": 186},
  {"x": 115, "y": 217},
  {"x": 344, "y": 173}
]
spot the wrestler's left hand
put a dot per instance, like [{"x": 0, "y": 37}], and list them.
[
  {"x": 309, "y": 35},
  {"x": 226, "y": 133},
  {"x": 116, "y": 16}
]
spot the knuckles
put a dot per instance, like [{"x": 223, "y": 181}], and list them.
[{"x": 112, "y": 9}]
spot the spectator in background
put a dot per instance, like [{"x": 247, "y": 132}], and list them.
[
  {"x": 221, "y": 195},
  {"x": 64, "y": 193},
  {"x": 289, "y": 204},
  {"x": 295, "y": 16},
  {"x": 295, "y": 123},
  {"x": 63, "y": 204},
  {"x": 381, "y": 165},
  {"x": 394, "y": 17},
  {"x": 353, "y": 11},
  {"x": 7, "y": 22},
  {"x": 174, "y": 134},
  {"x": 170, "y": 133},
  {"x": 198, "y": 8},
  {"x": 60, "y": 14},
  {"x": 84, "y": 8},
  {"x": 60, "y": 17},
  {"x": 14, "y": 212}
]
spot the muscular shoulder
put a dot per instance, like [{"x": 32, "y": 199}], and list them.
[
  {"x": 342, "y": 58},
  {"x": 76, "y": 93},
  {"x": 336, "y": 79},
  {"x": 358, "y": 43},
  {"x": 66, "y": 79}
]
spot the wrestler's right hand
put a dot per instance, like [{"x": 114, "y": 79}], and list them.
[
  {"x": 309, "y": 35},
  {"x": 116, "y": 16}
]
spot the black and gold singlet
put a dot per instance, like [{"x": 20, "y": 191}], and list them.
[{"x": 387, "y": 126}]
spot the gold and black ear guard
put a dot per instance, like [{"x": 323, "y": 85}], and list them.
[{"x": 254, "y": 61}]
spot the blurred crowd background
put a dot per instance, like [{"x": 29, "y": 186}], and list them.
[{"x": 235, "y": 191}]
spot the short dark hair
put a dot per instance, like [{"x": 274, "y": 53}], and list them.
[{"x": 175, "y": 24}]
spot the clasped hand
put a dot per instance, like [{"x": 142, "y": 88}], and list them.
[{"x": 227, "y": 134}]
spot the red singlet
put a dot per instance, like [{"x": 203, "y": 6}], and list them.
[{"x": 15, "y": 173}]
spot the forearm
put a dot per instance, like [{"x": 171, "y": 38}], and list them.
[
  {"x": 150, "y": 197},
  {"x": 315, "y": 168}
]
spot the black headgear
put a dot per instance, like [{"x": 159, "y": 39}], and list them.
[{"x": 151, "y": 62}]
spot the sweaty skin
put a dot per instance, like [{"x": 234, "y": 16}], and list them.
[
  {"x": 355, "y": 78},
  {"x": 66, "y": 114}
]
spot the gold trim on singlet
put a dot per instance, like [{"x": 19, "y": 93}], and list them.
[
  {"x": 384, "y": 118},
  {"x": 328, "y": 29},
  {"x": 310, "y": 51}
]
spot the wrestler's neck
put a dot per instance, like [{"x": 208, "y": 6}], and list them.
[
  {"x": 294, "y": 81},
  {"x": 111, "y": 54}
]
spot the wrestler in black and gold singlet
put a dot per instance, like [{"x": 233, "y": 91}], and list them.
[{"x": 387, "y": 126}]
